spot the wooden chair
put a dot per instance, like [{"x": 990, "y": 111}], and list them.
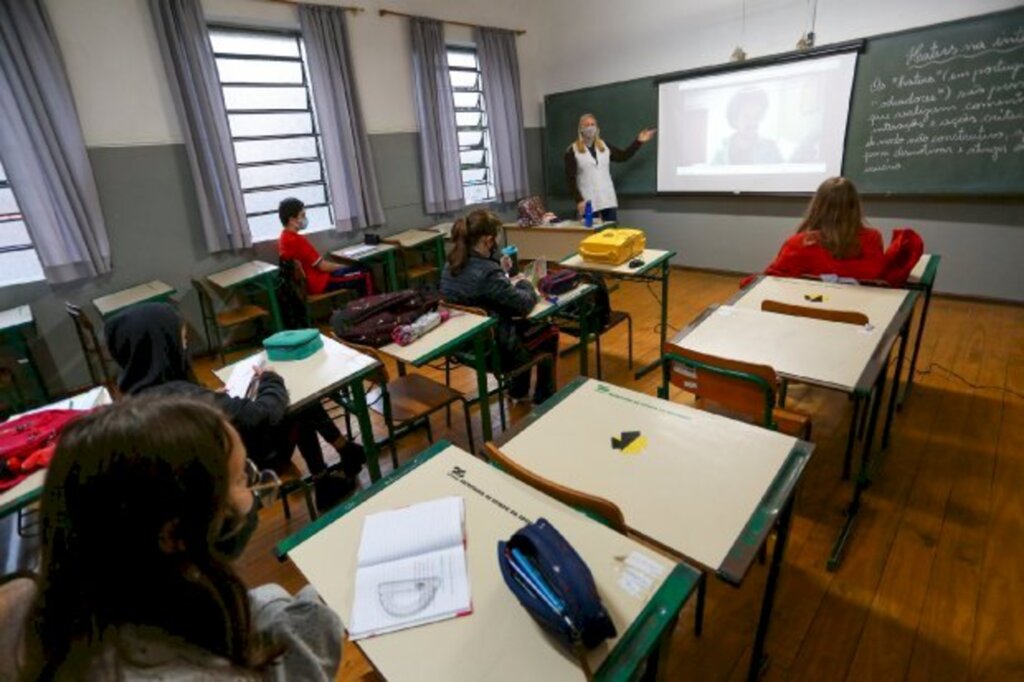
[
  {"x": 740, "y": 390},
  {"x": 291, "y": 271},
  {"x": 227, "y": 319},
  {"x": 598, "y": 508},
  {"x": 408, "y": 400},
  {"x": 97, "y": 360},
  {"x": 466, "y": 358},
  {"x": 827, "y": 314}
]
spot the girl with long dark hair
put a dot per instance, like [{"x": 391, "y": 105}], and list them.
[{"x": 134, "y": 579}]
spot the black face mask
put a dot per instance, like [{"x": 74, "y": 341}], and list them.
[{"x": 235, "y": 533}]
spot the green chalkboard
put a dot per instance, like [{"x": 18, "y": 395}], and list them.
[
  {"x": 622, "y": 110},
  {"x": 940, "y": 110}
]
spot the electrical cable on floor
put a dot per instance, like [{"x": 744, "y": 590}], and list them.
[{"x": 933, "y": 366}]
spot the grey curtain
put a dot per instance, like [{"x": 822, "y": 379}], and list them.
[
  {"x": 435, "y": 111},
  {"x": 192, "y": 74},
  {"x": 499, "y": 64},
  {"x": 43, "y": 149},
  {"x": 350, "y": 173}
]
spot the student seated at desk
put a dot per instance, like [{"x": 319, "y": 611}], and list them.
[
  {"x": 474, "y": 276},
  {"x": 144, "y": 508},
  {"x": 833, "y": 239},
  {"x": 148, "y": 342},
  {"x": 321, "y": 275}
]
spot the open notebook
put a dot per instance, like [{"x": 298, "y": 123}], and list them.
[{"x": 411, "y": 568}]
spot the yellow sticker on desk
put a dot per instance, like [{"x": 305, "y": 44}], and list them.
[
  {"x": 815, "y": 298},
  {"x": 630, "y": 442}
]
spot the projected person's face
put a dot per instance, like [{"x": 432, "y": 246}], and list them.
[{"x": 748, "y": 120}]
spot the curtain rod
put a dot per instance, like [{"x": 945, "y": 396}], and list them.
[
  {"x": 387, "y": 12},
  {"x": 355, "y": 9}
]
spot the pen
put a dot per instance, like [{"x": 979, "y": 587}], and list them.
[{"x": 533, "y": 575}]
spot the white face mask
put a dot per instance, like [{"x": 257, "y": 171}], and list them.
[
  {"x": 589, "y": 132},
  {"x": 303, "y": 223}
]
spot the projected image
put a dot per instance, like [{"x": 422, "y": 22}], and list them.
[{"x": 773, "y": 128}]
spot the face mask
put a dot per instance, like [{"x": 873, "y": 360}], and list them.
[
  {"x": 303, "y": 223},
  {"x": 235, "y": 534},
  {"x": 589, "y": 132}
]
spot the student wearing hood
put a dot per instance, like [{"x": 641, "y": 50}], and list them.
[
  {"x": 144, "y": 510},
  {"x": 148, "y": 343},
  {"x": 588, "y": 167}
]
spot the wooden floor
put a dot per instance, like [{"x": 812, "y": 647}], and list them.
[{"x": 932, "y": 587}]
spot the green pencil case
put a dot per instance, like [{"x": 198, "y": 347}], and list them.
[{"x": 292, "y": 344}]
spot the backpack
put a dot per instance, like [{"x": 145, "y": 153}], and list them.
[
  {"x": 369, "y": 321},
  {"x": 558, "y": 282},
  {"x": 27, "y": 443}
]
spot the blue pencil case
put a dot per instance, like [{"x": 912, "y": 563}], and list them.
[
  {"x": 555, "y": 586},
  {"x": 292, "y": 344}
]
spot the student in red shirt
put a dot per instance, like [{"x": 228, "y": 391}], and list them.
[
  {"x": 321, "y": 275},
  {"x": 833, "y": 239}
]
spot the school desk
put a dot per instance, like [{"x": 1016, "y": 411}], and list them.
[
  {"x": 142, "y": 293},
  {"x": 461, "y": 330},
  {"x": 326, "y": 372},
  {"x": 31, "y": 489},
  {"x": 498, "y": 641},
  {"x": 420, "y": 241},
  {"x": 655, "y": 268},
  {"x": 922, "y": 278},
  {"x": 15, "y": 324},
  {"x": 254, "y": 274},
  {"x": 361, "y": 254},
  {"x": 580, "y": 299},
  {"x": 701, "y": 486},
  {"x": 849, "y": 358}
]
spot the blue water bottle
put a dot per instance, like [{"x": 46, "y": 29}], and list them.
[{"x": 588, "y": 214}]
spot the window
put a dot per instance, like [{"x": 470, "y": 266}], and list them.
[
  {"x": 471, "y": 122},
  {"x": 18, "y": 260},
  {"x": 273, "y": 126}
]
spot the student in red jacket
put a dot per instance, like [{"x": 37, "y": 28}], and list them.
[
  {"x": 833, "y": 239},
  {"x": 321, "y": 275}
]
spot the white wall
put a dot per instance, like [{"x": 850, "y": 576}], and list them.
[
  {"x": 119, "y": 82},
  {"x": 590, "y": 42}
]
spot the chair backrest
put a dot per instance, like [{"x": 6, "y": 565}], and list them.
[
  {"x": 464, "y": 308},
  {"x": 736, "y": 389},
  {"x": 205, "y": 299},
  {"x": 827, "y": 314},
  {"x": 605, "y": 511},
  {"x": 90, "y": 344}
]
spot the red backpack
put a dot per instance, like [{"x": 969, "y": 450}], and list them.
[{"x": 27, "y": 442}]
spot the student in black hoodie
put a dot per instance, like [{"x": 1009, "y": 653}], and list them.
[{"x": 148, "y": 342}]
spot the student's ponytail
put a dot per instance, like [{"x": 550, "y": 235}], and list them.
[
  {"x": 466, "y": 232},
  {"x": 460, "y": 247}
]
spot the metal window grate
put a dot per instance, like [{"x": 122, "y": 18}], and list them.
[
  {"x": 19, "y": 262},
  {"x": 265, "y": 83},
  {"x": 472, "y": 125}
]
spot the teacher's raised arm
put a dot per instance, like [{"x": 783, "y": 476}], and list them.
[{"x": 587, "y": 167}]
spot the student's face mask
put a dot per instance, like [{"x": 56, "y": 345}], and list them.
[
  {"x": 589, "y": 132},
  {"x": 236, "y": 532},
  {"x": 303, "y": 223}
]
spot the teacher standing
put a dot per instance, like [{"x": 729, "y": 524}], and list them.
[{"x": 588, "y": 167}]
